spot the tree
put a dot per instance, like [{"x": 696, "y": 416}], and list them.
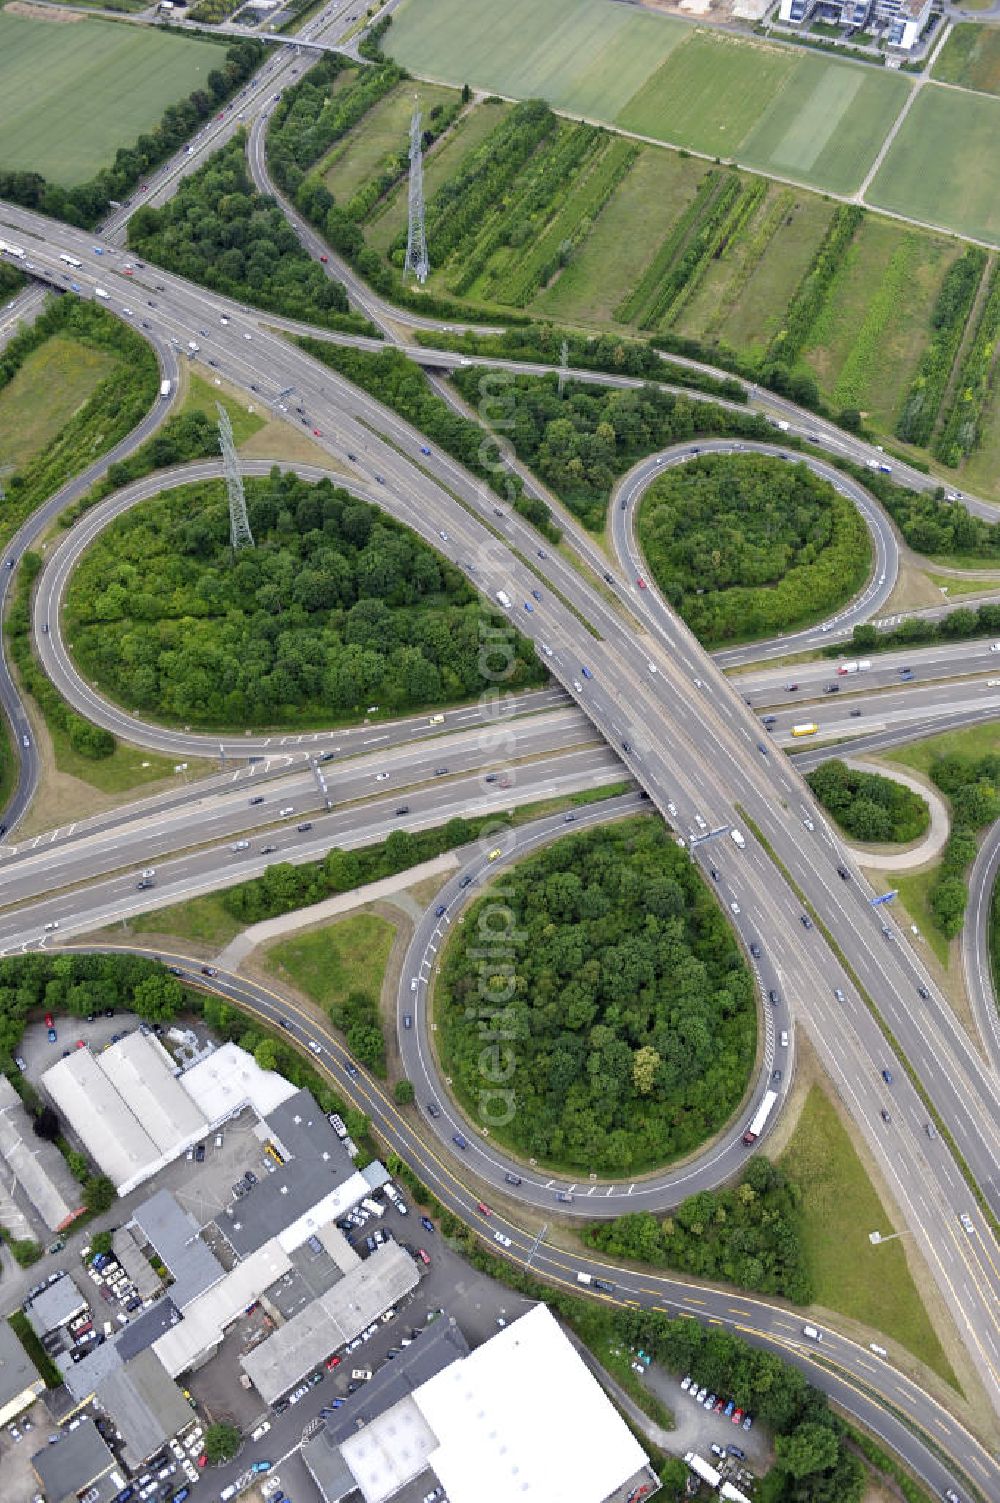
[
  {"x": 98, "y": 1193},
  {"x": 222, "y": 1441},
  {"x": 47, "y": 1125},
  {"x": 100, "y": 1242},
  {"x": 645, "y": 1064},
  {"x": 158, "y": 998},
  {"x": 812, "y": 1447},
  {"x": 403, "y": 1092}
]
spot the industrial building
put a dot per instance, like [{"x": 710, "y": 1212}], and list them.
[
  {"x": 78, "y": 1461},
  {"x": 36, "y": 1165},
  {"x": 495, "y": 1425},
  {"x": 20, "y": 1383},
  {"x": 330, "y": 1322},
  {"x": 127, "y": 1107}
]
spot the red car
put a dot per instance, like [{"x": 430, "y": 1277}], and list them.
[
  {"x": 324, "y": 259},
  {"x": 332, "y": 1362},
  {"x": 80, "y": 1044},
  {"x": 203, "y": 1459},
  {"x": 48, "y": 1020},
  {"x": 316, "y": 433},
  {"x": 737, "y": 1416},
  {"x": 483, "y": 1210},
  {"x": 641, "y": 582},
  {"x": 423, "y": 1256}
]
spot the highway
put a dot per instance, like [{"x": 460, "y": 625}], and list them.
[{"x": 705, "y": 761}]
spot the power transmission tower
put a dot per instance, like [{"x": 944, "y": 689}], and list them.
[
  {"x": 416, "y": 235},
  {"x": 240, "y": 535}
]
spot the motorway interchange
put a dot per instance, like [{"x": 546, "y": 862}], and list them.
[{"x": 650, "y": 699}]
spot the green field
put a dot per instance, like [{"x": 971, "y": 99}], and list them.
[
  {"x": 349, "y": 955},
  {"x": 868, "y": 341},
  {"x": 971, "y": 57},
  {"x": 74, "y": 91},
  {"x": 386, "y": 129},
  {"x": 944, "y": 166},
  {"x": 53, "y": 382},
  {"x": 587, "y": 56},
  {"x": 840, "y": 1207}
]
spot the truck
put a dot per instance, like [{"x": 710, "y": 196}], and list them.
[
  {"x": 702, "y": 1469},
  {"x": 780, "y": 423},
  {"x": 584, "y": 1278},
  {"x": 102, "y": 293},
  {"x": 193, "y": 347},
  {"x": 739, "y": 839},
  {"x": 861, "y": 666},
  {"x": 504, "y": 599},
  {"x": 808, "y": 728},
  {"x": 760, "y": 1116},
  {"x": 165, "y": 388},
  {"x": 9, "y": 249}
]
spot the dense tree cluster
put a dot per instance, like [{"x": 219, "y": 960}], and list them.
[
  {"x": 973, "y": 785},
  {"x": 219, "y": 231},
  {"x": 744, "y": 545},
  {"x": 336, "y": 608},
  {"x": 357, "y": 1016},
  {"x": 747, "y": 1235},
  {"x": 625, "y": 1008},
  {"x": 930, "y": 523},
  {"x": 580, "y": 440},
  {"x": 87, "y": 202},
  {"x": 868, "y": 806},
  {"x": 957, "y": 626}
]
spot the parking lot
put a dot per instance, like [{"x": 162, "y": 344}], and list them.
[
  {"x": 698, "y": 1429},
  {"x": 18, "y": 1442},
  {"x": 38, "y": 1054}
]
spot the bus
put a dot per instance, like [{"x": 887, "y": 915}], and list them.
[
  {"x": 808, "y": 729},
  {"x": 70, "y": 260},
  {"x": 760, "y": 1117},
  {"x": 7, "y": 248}
]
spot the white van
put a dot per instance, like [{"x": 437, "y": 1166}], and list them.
[
  {"x": 812, "y": 1333},
  {"x": 102, "y": 294},
  {"x": 504, "y": 599},
  {"x": 739, "y": 838}
]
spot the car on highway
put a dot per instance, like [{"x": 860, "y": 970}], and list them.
[
  {"x": 483, "y": 1209},
  {"x": 52, "y": 1035},
  {"x": 503, "y": 1240},
  {"x": 407, "y": 1020},
  {"x": 495, "y": 854},
  {"x": 755, "y": 949},
  {"x": 315, "y": 1047},
  {"x": 640, "y": 582},
  {"x": 887, "y": 1076},
  {"x": 966, "y": 1221},
  {"x": 512, "y": 1179},
  {"x": 209, "y": 970},
  {"x": 885, "y": 1115},
  {"x": 805, "y": 921},
  {"x": 433, "y": 1110},
  {"x": 459, "y": 1141}
]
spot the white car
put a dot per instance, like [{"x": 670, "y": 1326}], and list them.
[
  {"x": 316, "y": 1048},
  {"x": 265, "y": 1425},
  {"x": 380, "y": 777},
  {"x": 685, "y": 1384},
  {"x": 499, "y": 1237},
  {"x": 995, "y": 647},
  {"x": 651, "y": 666}
]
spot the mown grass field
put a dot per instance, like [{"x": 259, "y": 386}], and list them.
[
  {"x": 54, "y": 381},
  {"x": 944, "y": 167},
  {"x": 840, "y": 1206},
  {"x": 349, "y": 955},
  {"x": 387, "y": 127},
  {"x": 971, "y": 57},
  {"x": 74, "y": 91},
  {"x": 588, "y": 56}
]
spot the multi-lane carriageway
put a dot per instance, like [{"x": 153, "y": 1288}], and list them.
[{"x": 695, "y": 744}]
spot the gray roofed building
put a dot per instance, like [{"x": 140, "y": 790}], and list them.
[
  {"x": 55, "y": 1305},
  {"x": 138, "y": 1267},
  {"x": 316, "y": 1167},
  {"x": 82, "y": 1378},
  {"x": 76, "y": 1461},
  {"x": 327, "y": 1323},
  {"x": 145, "y": 1328},
  {"x": 20, "y": 1383},
  {"x": 38, "y": 1166},
  {"x": 176, "y": 1237},
  {"x": 379, "y": 1427},
  {"x": 146, "y": 1405}
]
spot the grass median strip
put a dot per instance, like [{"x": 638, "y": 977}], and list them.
[{"x": 872, "y": 1006}]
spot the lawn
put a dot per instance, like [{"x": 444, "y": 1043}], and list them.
[
  {"x": 74, "y": 91},
  {"x": 974, "y": 741},
  {"x": 588, "y": 56},
  {"x": 914, "y": 890},
  {"x": 54, "y": 381},
  {"x": 971, "y": 57},
  {"x": 876, "y": 321},
  {"x": 980, "y": 472},
  {"x": 636, "y": 218},
  {"x": 944, "y": 167},
  {"x": 201, "y": 397},
  {"x": 383, "y": 130},
  {"x": 839, "y": 1208},
  {"x": 202, "y": 920},
  {"x": 442, "y": 162},
  {"x": 349, "y": 955}
]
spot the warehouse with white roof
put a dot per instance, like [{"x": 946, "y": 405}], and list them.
[{"x": 127, "y": 1107}]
